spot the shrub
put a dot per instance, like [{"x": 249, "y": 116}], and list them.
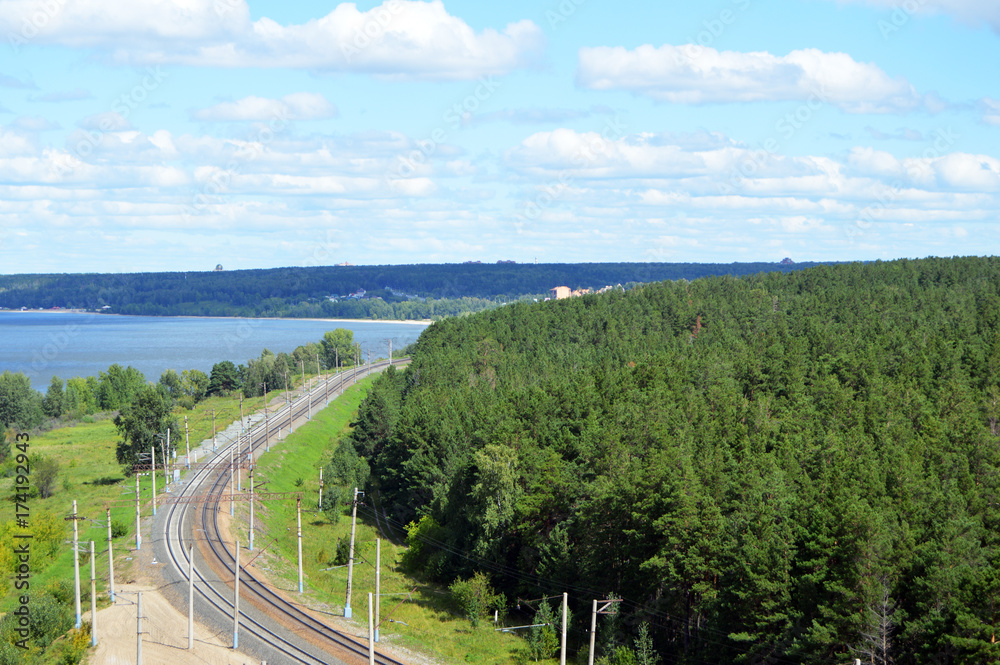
[{"x": 475, "y": 597}]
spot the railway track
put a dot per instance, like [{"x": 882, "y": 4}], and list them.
[{"x": 294, "y": 635}]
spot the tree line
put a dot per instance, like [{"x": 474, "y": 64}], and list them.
[
  {"x": 430, "y": 291},
  {"x": 781, "y": 467}
]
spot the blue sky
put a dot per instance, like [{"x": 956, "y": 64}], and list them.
[{"x": 178, "y": 134}]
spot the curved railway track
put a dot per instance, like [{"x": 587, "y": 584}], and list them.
[{"x": 298, "y": 637}]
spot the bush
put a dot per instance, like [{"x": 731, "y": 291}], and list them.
[
  {"x": 119, "y": 529},
  {"x": 475, "y": 597}
]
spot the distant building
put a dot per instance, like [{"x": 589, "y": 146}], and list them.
[
  {"x": 345, "y": 263},
  {"x": 218, "y": 267},
  {"x": 505, "y": 261},
  {"x": 561, "y": 292},
  {"x": 787, "y": 261}
]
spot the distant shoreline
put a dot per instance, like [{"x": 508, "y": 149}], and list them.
[{"x": 424, "y": 322}]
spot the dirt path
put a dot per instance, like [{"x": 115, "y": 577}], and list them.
[{"x": 164, "y": 637}]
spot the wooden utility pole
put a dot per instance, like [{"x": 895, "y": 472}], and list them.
[
  {"x": 350, "y": 559},
  {"x": 111, "y": 562}
]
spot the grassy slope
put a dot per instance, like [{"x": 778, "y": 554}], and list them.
[
  {"x": 89, "y": 474},
  {"x": 430, "y": 626}
]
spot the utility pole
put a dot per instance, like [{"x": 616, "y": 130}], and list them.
[
  {"x": 288, "y": 399},
  {"x": 298, "y": 518},
  {"x": 232, "y": 488},
  {"x": 111, "y": 562},
  {"x": 251, "y": 507},
  {"x": 239, "y": 464},
  {"x": 390, "y": 353},
  {"x": 190, "y": 597},
  {"x": 350, "y": 560},
  {"x": 320, "y": 504},
  {"x": 93, "y": 597},
  {"x": 604, "y": 609},
  {"x": 326, "y": 387},
  {"x": 378, "y": 582},
  {"x": 152, "y": 459},
  {"x": 371, "y": 633},
  {"x": 138, "y": 535},
  {"x": 76, "y": 565},
  {"x": 166, "y": 480},
  {"x": 138, "y": 629},
  {"x": 187, "y": 444},
  {"x": 241, "y": 410},
  {"x": 562, "y": 649},
  {"x": 267, "y": 439},
  {"x": 213, "y": 430},
  {"x": 236, "y": 599},
  {"x": 336, "y": 354}
]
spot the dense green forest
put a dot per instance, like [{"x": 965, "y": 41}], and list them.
[
  {"x": 780, "y": 468},
  {"x": 392, "y": 292}
]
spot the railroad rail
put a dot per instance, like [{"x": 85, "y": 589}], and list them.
[{"x": 306, "y": 638}]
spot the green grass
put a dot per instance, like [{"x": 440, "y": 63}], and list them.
[
  {"x": 89, "y": 474},
  {"x": 430, "y": 625}
]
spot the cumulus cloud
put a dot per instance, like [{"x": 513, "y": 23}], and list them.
[
  {"x": 691, "y": 74},
  {"x": 400, "y": 38},
  {"x": 297, "y": 106}
]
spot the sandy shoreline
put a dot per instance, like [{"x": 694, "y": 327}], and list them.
[{"x": 422, "y": 322}]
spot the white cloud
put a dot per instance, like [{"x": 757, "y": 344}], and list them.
[
  {"x": 691, "y": 74},
  {"x": 297, "y": 106},
  {"x": 991, "y": 110},
  {"x": 973, "y": 12},
  {"x": 400, "y": 38}
]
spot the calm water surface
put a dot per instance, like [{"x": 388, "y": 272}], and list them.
[{"x": 43, "y": 345}]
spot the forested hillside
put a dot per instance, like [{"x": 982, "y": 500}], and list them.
[
  {"x": 403, "y": 292},
  {"x": 781, "y": 468}
]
